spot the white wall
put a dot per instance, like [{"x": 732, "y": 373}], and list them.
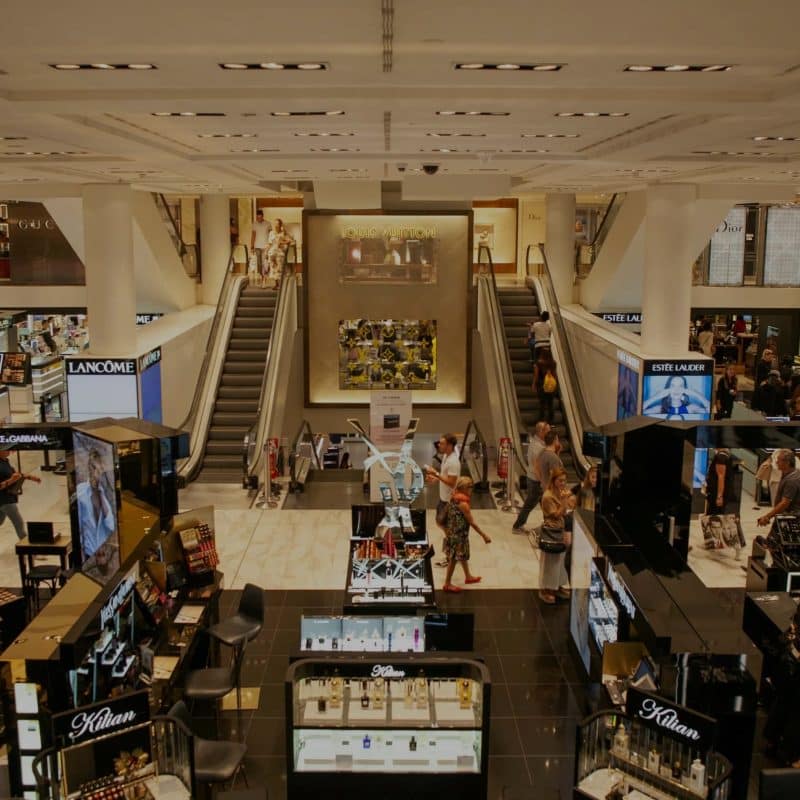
[
  {"x": 531, "y": 227},
  {"x": 743, "y": 297}
]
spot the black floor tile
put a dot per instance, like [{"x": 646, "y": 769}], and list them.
[
  {"x": 561, "y": 639},
  {"x": 272, "y": 701},
  {"x": 495, "y": 667},
  {"x": 547, "y": 736},
  {"x": 285, "y": 641},
  {"x": 500, "y": 701},
  {"x": 519, "y": 598},
  {"x": 517, "y": 641},
  {"x": 253, "y": 670},
  {"x": 543, "y": 701},
  {"x": 268, "y": 772},
  {"x": 573, "y": 671},
  {"x": 266, "y": 737},
  {"x": 532, "y": 669},
  {"x": 552, "y": 777},
  {"x": 507, "y": 774},
  {"x": 512, "y": 617},
  {"x": 276, "y": 667},
  {"x": 504, "y": 738},
  {"x": 484, "y": 643},
  {"x": 314, "y": 597}
]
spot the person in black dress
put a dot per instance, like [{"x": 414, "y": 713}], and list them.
[{"x": 727, "y": 388}]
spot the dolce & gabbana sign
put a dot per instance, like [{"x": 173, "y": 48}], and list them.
[
  {"x": 100, "y": 719},
  {"x": 26, "y": 437},
  {"x": 670, "y": 719},
  {"x": 101, "y": 366}
]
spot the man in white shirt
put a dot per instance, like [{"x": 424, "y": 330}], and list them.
[
  {"x": 447, "y": 475},
  {"x": 539, "y": 334},
  {"x": 535, "y": 448},
  {"x": 259, "y": 239}
]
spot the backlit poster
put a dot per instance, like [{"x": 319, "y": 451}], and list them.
[
  {"x": 101, "y": 387},
  {"x": 96, "y": 501},
  {"x": 627, "y": 385},
  {"x": 782, "y": 248},
  {"x": 677, "y": 389},
  {"x": 387, "y": 354},
  {"x": 150, "y": 385}
]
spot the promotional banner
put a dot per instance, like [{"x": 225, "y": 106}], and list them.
[
  {"x": 150, "y": 385},
  {"x": 627, "y": 385},
  {"x": 101, "y": 387},
  {"x": 389, "y": 414},
  {"x": 678, "y": 389}
]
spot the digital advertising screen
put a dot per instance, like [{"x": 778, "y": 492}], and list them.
[
  {"x": 627, "y": 392},
  {"x": 96, "y": 500},
  {"x": 15, "y": 369},
  {"x": 678, "y": 389}
]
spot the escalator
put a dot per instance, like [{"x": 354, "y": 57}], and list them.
[
  {"x": 518, "y": 306},
  {"x": 237, "y": 402}
]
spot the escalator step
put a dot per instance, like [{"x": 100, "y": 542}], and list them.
[
  {"x": 245, "y": 356},
  {"x": 242, "y": 368},
  {"x": 232, "y": 379},
  {"x": 239, "y": 392}
]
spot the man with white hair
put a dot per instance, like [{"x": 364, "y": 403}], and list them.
[{"x": 788, "y": 494}]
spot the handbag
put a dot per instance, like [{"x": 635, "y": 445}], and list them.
[
  {"x": 551, "y": 540},
  {"x": 764, "y": 470}
]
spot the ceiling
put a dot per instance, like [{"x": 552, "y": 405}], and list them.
[{"x": 88, "y": 126}]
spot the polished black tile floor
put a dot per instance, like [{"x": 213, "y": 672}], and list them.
[{"x": 536, "y": 697}]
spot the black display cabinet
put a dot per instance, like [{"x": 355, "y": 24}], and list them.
[{"x": 390, "y": 725}]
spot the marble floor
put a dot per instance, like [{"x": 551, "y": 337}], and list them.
[{"x": 301, "y": 548}]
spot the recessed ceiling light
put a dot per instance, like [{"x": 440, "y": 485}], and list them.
[
  {"x": 449, "y": 113},
  {"x": 103, "y": 65},
  {"x": 226, "y": 135},
  {"x": 290, "y": 170},
  {"x": 234, "y": 66},
  {"x": 550, "y": 135},
  {"x": 304, "y": 65},
  {"x": 335, "y": 113},
  {"x": 309, "y": 65},
  {"x": 13, "y": 138},
  {"x": 591, "y": 113},
  {"x": 334, "y": 150},
  {"x": 322, "y": 133},
  {"x": 258, "y": 150},
  {"x": 677, "y": 68},
  {"x": 716, "y": 68},
  {"x": 776, "y": 138},
  {"x": 511, "y": 66},
  {"x": 270, "y": 65},
  {"x": 448, "y": 133},
  {"x": 731, "y": 153},
  {"x": 141, "y": 66},
  {"x": 187, "y": 114},
  {"x": 65, "y": 66},
  {"x": 638, "y": 68}
]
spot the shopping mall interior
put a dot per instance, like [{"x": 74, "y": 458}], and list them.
[{"x": 401, "y": 398}]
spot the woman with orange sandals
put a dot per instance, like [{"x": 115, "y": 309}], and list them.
[{"x": 456, "y": 544}]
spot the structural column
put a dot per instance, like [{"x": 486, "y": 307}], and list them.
[
  {"x": 560, "y": 243},
  {"x": 667, "y": 280},
  {"x": 110, "y": 278},
  {"x": 215, "y": 244}
]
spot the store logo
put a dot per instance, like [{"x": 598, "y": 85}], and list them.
[
  {"x": 24, "y": 438},
  {"x": 99, "y": 721},
  {"x": 621, "y": 317},
  {"x": 385, "y": 671},
  {"x": 107, "y": 367},
  {"x": 119, "y": 597},
  {"x": 148, "y": 359},
  {"x": 146, "y": 319},
  {"x": 666, "y": 718},
  {"x": 36, "y": 224},
  {"x": 728, "y": 227}
]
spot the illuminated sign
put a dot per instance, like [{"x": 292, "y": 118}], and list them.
[{"x": 106, "y": 366}]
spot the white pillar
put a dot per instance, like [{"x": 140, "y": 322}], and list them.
[
  {"x": 215, "y": 244},
  {"x": 667, "y": 281},
  {"x": 560, "y": 243},
  {"x": 110, "y": 280}
]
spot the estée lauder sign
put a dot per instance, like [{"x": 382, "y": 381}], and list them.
[{"x": 677, "y": 722}]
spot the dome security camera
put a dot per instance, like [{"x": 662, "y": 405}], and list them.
[
  {"x": 401, "y": 167},
  {"x": 430, "y": 169}
]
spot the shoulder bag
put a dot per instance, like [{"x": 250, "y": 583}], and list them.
[{"x": 551, "y": 540}]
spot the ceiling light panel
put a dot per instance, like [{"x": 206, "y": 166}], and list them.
[
  {"x": 333, "y": 113},
  {"x": 227, "y": 135},
  {"x": 770, "y": 138},
  {"x": 13, "y": 138},
  {"x": 187, "y": 114},
  {"x": 507, "y": 66},
  {"x": 48, "y": 153},
  {"x": 445, "y": 134},
  {"x": 758, "y": 153},
  {"x": 322, "y": 133},
  {"x": 334, "y": 150},
  {"x": 448, "y": 113},
  {"x": 592, "y": 114},
  {"x": 102, "y": 66},
  {"x": 305, "y": 66},
  {"x": 678, "y": 68},
  {"x": 550, "y": 135}
]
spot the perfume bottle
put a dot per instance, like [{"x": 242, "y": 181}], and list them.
[
  {"x": 416, "y": 640},
  {"x": 366, "y": 742},
  {"x": 336, "y": 691},
  {"x": 621, "y": 741},
  {"x": 697, "y": 776},
  {"x": 308, "y": 643},
  {"x": 653, "y": 760},
  {"x": 378, "y": 693},
  {"x": 421, "y": 691},
  {"x": 464, "y": 693},
  {"x": 408, "y": 702},
  {"x": 364, "y": 695},
  {"x": 676, "y": 770},
  {"x": 389, "y": 642},
  {"x": 412, "y": 745},
  {"x": 335, "y": 644},
  {"x": 322, "y": 705}
]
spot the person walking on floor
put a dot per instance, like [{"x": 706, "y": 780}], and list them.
[
  {"x": 727, "y": 388},
  {"x": 545, "y": 382},
  {"x": 447, "y": 475},
  {"x": 788, "y": 494},
  {"x": 535, "y": 448},
  {"x": 459, "y": 520},
  {"x": 557, "y": 502},
  {"x": 10, "y": 487}
]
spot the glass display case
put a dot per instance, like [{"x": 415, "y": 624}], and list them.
[
  {"x": 422, "y": 719},
  {"x": 634, "y": 754},
  {"x": 363, "y": 634},
  {"x": 603, "y": 613}
]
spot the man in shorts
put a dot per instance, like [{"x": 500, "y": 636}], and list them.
[{"x": 447, "y": 475}]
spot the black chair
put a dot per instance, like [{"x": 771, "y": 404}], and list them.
[
  {"x": 47, "y": 574},
  {"x": 215, "y": 762},
  {"x": 246, "y": 623},
  {"x": 213, "y": 683}
]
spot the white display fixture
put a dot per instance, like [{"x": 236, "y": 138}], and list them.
[{"x": 782, "y": 248}]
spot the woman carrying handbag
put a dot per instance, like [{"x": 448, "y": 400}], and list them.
[{"x": 557, "y": 502}]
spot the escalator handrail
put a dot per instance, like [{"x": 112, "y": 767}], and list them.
[
  {"x": 567, "y": 367},
  {"x": 612, "y": 209},
  {"x": 191, "y": 464},
  {"x": 479, "y": 436},
  {"x": 514, "y": 418}
]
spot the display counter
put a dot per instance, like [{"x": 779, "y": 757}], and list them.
[{"x": 421, "y": 722}]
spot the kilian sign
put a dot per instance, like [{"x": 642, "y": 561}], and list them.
[
  {"x": 671, "y": 720},
  {"x": 387, "y": 671},
  {"x": 100, "y": 719}
]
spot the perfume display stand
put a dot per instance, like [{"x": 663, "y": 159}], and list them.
[
  {"x": 655, "y": 750},
  {"x": 402, "y": 725}
]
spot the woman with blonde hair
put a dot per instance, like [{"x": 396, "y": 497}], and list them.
[
  {"x": 458, "y": 521},
  {"x": 557, "y": 502}
]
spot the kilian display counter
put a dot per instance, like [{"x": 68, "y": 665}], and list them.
[
  {"x": 656, "y": 750},
  {"x": 424, "y": 720}
]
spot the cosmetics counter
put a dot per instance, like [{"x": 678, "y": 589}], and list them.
[
  {"x": 640, "y": 618},
  {"x": 420, "y": 722},
  {"x": 389, "y": 566},
  {"x": 774, "y": 563},
  {"x": 655, "y": 749}
]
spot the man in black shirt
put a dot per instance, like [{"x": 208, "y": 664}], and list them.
[
  {"x": 788, "y": 494},
  {"x": 10, "y": 481}
]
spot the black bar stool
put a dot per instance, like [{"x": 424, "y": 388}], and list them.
[
  {"x": 246, "y": 623},
  {"x": 47, "y": 574}
]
